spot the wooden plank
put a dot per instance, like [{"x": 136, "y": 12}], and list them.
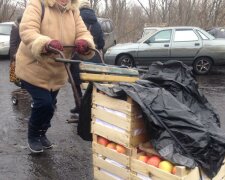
[
  {"x": 111, "y": 103},
  {"x": 98, "y": 175},
  {"x": 111, "y": 118},
  {"x": 111, "y": 154},
  {"x": 106, "y": 78},
  {"x": 110, "y": 134},
  {"x": 135, "y": 177},
  {"x": 151, "y": 171},
  {"x": 107, "y": 69},
  {"x": 181, "y": 171},
  {"x": 118, "y": 171}
]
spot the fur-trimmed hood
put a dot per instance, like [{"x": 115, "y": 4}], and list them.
[{"x": 74, "y": 4}]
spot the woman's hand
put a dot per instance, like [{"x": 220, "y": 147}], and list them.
[
  {"x": 81, "y": 47},
  {"x": 53, "y": 44}
]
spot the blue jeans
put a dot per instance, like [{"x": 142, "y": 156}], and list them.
[{"x": 43, "y": 106}]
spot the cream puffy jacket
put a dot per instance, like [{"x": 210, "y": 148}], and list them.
[{"x": 32, "y": 65}]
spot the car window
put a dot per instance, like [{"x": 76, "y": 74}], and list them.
[
  {"x": 185, "y": 35},
  {"x": 161, "y": 37},
  {"x": 5, "y": 29},
  {"x": 203, "y": 36}
]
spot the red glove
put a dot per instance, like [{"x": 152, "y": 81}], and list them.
[
  {"x": 81, "y": 46},
  {"x": 55, "y": 44}
]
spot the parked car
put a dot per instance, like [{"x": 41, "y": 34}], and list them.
[
  {"x": 109, "y": 33},
  {"x": 5, "y": 30},
  {"x": 190, "y": 45}
]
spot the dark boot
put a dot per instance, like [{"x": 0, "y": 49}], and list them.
[
  {"x": 44, "y": 140},
  {"x": 75, "y": 110},
  {"x": 34, "y": 142}
]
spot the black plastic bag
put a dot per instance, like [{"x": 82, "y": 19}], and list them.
[{"x": 84, "y": 123}]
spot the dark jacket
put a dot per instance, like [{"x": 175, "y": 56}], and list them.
[
  {"x": 14, "y": 41},
  {"x": 90, "y": 19}
]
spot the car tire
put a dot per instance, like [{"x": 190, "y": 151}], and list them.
[
  {"x": 202, "y": 65},
  {"x": 125, "y": 60}
]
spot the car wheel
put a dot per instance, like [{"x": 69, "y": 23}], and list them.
[
  {"x": 202, "y": 65},
  {"x": 125, "y": 60}
]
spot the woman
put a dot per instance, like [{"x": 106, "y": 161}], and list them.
[{"x": 40, "y": 75}]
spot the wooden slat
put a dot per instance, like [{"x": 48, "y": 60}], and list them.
[
  {"x": 106, "y": 78},
  {"x": 118, "y": 171},
  {"x": 112, "y": 135},
  {"x": 98, "y": 175},
  {"x": 107, "y": 69},
  {"x": 111, "y": 118},
  {"x": 111, "y": 154},
  {"x": 142, "y": 168},
  {"x": 111, "y": 103}
]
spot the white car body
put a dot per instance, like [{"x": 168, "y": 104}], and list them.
[{"x": 5, "y": 30}]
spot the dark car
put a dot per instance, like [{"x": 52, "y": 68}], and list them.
[{"x": 191, "y": 45}]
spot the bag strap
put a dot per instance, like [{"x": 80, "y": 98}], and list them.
[{"x": 42, "y": 9}]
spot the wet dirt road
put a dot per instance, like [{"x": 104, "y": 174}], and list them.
[{"x": 70, "y": 158}]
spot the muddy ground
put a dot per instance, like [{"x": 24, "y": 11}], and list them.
[{"x": 70, "y": 158}]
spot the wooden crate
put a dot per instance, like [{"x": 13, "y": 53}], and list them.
[
  {"x": 100, "y": 154},
  {"x": 182, "y": 172},
  {"x": 139, "y": 167},
  {"x": 123, "y": 120}
]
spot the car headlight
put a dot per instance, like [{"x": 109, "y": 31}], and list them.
[{"x": 108, "y": 51}]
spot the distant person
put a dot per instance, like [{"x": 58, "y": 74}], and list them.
[
  {"x": 41, "y": 39},
  {"x": 218, "y": 32},
  {"x": 91, "y": 22},
  {"x": 14, "y": 45}
]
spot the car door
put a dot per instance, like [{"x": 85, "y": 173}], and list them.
[
  {"x": 185, "y": 45},
  {"x": 157, "y": 47}
]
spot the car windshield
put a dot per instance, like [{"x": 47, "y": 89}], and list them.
[
  {"x": 152, "y": 31},
  {"x": 5, "y": 29},
  {"x": 147, "y": 31}
]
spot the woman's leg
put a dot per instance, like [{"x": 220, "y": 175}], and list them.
[{"x": 41, "y": 115}]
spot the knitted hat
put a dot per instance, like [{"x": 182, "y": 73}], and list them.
[{"x": 85, "y": 3}]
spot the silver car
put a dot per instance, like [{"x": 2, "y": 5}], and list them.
[
  {"x": 5, "y": 30},
  {"x": 191, "y": 45}
]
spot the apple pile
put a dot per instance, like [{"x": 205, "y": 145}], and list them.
[
  {"x": 112, "y": 145},
  {"x": 156, "y": 161}
]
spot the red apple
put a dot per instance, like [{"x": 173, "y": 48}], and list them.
[
  {"x": 154, "y": 161},
  {"x": 120, "y": 149},
  {"x": 103, "y": 141},
  {"x": 111, "y": 145},
  {"x": 143, "y": 158}
]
